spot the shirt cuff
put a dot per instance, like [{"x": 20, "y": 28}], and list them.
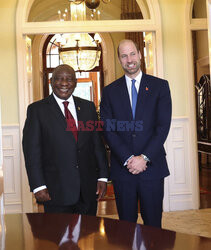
[
  {"x": 145, "y": 158},
  {"x": 125, "y": 164},
  {"x": 103, "y": 179},
  {"x": 39, "y": 189}
]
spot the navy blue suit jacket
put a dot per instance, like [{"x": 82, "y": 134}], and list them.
[{"x": 151, "y": 125}]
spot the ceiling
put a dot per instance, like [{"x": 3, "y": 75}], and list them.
[{"x": 47, "y": 10}]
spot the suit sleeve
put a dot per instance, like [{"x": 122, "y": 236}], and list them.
[
  {"x": 32, "y": 148},
  {"x": 99, "y": 148},
  {"x": 162, "y": 125},
  {"x": 115, "y": 142}
]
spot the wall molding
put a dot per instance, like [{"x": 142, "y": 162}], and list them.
[
  {"x": 180, "y": 182},
  {"x": 179, "y": 186},
  {"x": 11, "y": 168}
]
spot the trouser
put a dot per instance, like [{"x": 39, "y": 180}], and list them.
[
  {"x": 79, "y": 208},
  {"x": 150, "y": 195}
]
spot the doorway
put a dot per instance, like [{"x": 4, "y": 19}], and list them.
[
  {"x": 31, "y": 21},
  {"x": 87, "y": 62},
  {"x": 203, "y": 113},
  {"x": 90, "y": 82}
]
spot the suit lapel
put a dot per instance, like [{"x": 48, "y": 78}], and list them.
[
  {"x": 141, "y": 100},
  {"x": 59, "y": 116},
  {"x": 77, "y": 107},
  {"x": 55, "y": 109},
  {"x": 79, "y": 112},
  {"x": 142, "y": 97},
  {"x": 125, "y": 99}
]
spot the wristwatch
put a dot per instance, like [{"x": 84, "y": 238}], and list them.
[{"x": 145, "y": 158}]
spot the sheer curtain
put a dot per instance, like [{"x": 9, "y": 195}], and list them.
[
  {"x": 2, "y": 239},
  {"x": 1, "y": 151}
]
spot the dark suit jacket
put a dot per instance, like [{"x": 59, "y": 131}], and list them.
[
  {"x": 53, "y": 158},
  {"x": 151, "y": 125}
]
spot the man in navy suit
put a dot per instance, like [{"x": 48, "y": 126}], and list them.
[
  {"x": 136, "y": 111},
  {"x": 66, "y": 166}
]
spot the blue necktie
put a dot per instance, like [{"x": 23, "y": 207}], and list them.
[{"x": 134, "y": 97}]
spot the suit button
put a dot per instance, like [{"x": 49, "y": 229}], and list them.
[
  {"x": 134, "y": 135},
  {"x": 76, "y": 166},
  {"x": 79, "y": 151}
]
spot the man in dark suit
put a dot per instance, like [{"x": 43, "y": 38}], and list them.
[
  {"x": 65, "y": 161},
  {"x": 136, "y": 111}
]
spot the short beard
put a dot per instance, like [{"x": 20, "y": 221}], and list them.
[{"x": 133, "y": 71}]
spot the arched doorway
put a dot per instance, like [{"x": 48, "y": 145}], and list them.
[
  {"x": 24, "y": 28},
  {"x": 90, "y": 81}
]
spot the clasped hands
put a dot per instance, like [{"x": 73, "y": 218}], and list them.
[{"x": 136, "y": 164}]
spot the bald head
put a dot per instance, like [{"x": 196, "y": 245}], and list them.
[
  {"x": 125, "y": 42},
  {"x": 130, "y": 58}
]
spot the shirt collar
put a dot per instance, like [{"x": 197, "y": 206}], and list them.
[
  {"x": 60, "y": 101},
  {"x": 137, "y": 78}
]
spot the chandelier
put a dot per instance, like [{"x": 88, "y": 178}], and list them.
[
  {"x": 77, "y": 10},
  {"x": 81, "y": 51}
]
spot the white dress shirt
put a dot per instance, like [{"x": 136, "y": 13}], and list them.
[
  {"x": 129, "y": 84},
  {"x": 71, "y": 107},
  {"x": 75, "y": 233}
]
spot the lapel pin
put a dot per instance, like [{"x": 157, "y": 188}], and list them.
[
  {"x": 79, "y": 108},
  {"x": 147, "y": 89}
]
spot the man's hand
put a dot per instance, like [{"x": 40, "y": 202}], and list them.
[
  {"x": 101, "y": 189},
  {"x": 136, "y": 165},
  {"x": 42, "y": 195}
]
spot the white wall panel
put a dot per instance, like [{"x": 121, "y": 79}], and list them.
[
  {"x": 179, "y": 183},
  {"x": 179, "y": 191},
  {"x": 11, "y": 168}
]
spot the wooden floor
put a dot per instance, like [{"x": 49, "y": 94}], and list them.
[
  {"x": 205, "y": 186},
  {"x": 108, "y": 206},
  {"x": 197, "y": 222}
]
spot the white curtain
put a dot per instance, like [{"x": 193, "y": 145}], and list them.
[{"x": 1, "y": 154}]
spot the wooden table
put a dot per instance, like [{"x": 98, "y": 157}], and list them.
[{"x": 54, "y": 231}]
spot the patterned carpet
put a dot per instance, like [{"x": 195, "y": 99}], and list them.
[{"x": 197, "y": 222}]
